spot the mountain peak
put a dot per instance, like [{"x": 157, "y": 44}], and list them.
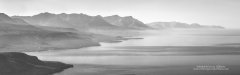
[
  {"x": 63, "y": 14},
  {"x": 127, "y": 21},
  {"x": 78, "y": 14},
  {"x": 82, "y": 14},
  {"x": 45, "y": 14},
  {"x": 130, "y": 17},
  {"x": 5, "y": 18},
  {"x": 99, "y": 16},
  {"x": 3, "y": 15},
  {"x": 115, "y": 16}
]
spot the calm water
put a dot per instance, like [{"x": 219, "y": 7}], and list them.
[{"x": 159, "y": 48}]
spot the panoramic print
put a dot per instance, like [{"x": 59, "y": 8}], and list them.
[{"x": 119, "y": 37}]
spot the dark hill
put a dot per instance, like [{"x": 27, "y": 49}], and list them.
[{"x": 14, "y": 63}]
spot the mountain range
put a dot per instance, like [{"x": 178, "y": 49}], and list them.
[
  {"x": 48, "y": 31},
  {"x": 166, "y": 25},
  {"x": 82, "y": 21},
  {"x": 115, "y": 22},
  {"x": 63, "y": 31},
  {"x": 127, "y": 21},
  {"x": 18, "y": 35}
]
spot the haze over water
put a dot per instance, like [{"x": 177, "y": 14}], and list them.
[{"x": 174, "y": 47}]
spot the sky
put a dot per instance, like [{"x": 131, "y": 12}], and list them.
[{"x": 207, "y": 12}]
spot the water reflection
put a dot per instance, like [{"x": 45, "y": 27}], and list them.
[{"x": 158, "y": 48}]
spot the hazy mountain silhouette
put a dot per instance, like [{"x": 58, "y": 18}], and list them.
[
  {"x": 77, "y": 21},
  {"x": 17, "y": 36},
  {"x": 83, "y": 21},
  {"x": 163, "y": 25},
  {"x": 47, "y": 31},
  {"x": 46, "y": 19},
  {"x": 6, "y": 19},
  {"x": 127, "y": 21},
  {"x": 58, "y": 31}
]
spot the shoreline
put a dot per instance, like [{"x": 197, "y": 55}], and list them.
[
  {"x": 57, "y": 64},
  {"x": 98, "y": 45},
  {"x": 16, "y": 63}
]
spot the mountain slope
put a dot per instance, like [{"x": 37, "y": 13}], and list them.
[
  {"x": 14, "y": 63},
  {"x": 127, "y": 21},
  {"x": 45, "y": 19},
  {"x": 77, "y": 21},
  {"x": 6, "y": 19},
  {"x": 15, "y": 36}
]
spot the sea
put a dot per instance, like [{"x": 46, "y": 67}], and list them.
[{"x": 160, "y": 52}]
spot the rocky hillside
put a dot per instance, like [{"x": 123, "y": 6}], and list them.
[
  {"x": 127, "y": 21},
  {"x": 17, "y": 36},
  {"x": 83, "y": 21},
  {"x": 6, "y": 19},
  {"x": 13, "y": 63}
]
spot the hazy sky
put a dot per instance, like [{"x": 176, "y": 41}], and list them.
[{"x": 211, "y": 12}]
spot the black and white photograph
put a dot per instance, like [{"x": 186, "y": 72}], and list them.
[{"x": 119, "y": 37}]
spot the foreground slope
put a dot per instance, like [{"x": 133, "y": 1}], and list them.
[{"x": 13, "y": 63}]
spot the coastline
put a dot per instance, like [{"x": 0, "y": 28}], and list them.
[
  {"x": 16, "y": 63},
  {"x": 59, "y": 66},
  {"x": 190, "y": 51}
]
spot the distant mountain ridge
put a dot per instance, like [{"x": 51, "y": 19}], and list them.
[
  {"x": 6, "y": 19},
  {"x": 15, "y": 35},
  {"x": 59, "y": 31},
  {"x": 164, "y": 25},
  {"x": 127, "y": 21},
  {"x": 45, "y": 19},
  {"x": 81, "y": 21},
  {"x": 114, "y": 22},
  {"x": 47, "y": 31}
]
